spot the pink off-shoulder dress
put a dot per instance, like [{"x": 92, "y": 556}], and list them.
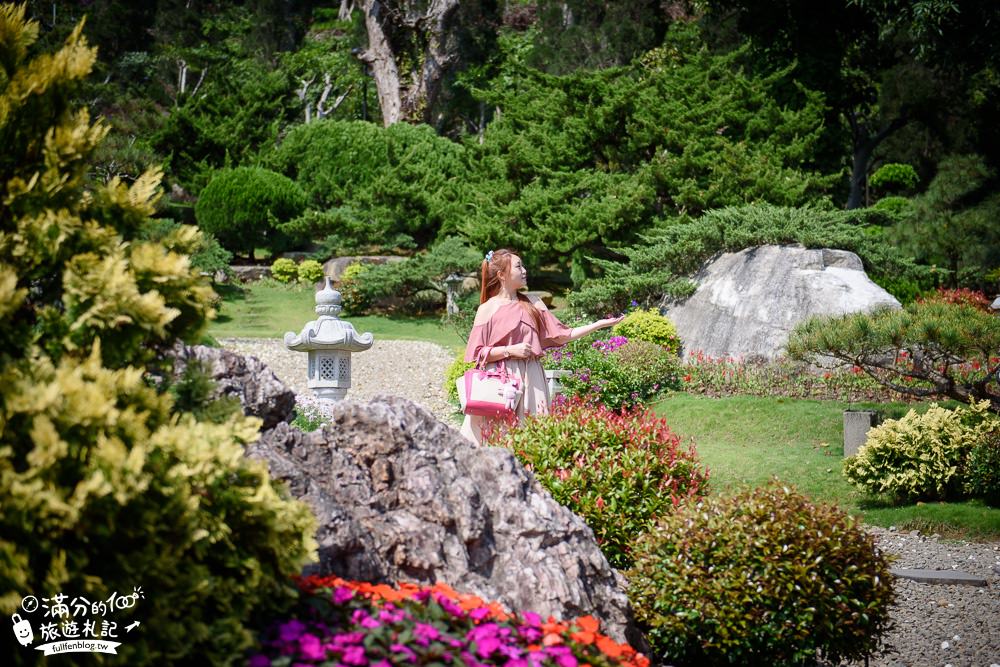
[{"x": 511, "y": 324}]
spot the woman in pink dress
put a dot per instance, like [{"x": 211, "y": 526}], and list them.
[{"x": 515, "y": 329}]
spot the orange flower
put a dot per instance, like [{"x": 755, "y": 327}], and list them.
[
  {"x": 551, "y": 639},
  {"x": 583, "y": 637},
  {"x": 588, "y": 623},
  {"x": 609, "y": 647}
]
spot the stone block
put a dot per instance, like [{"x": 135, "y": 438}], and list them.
[
  {"x": 856, "y": 426},
  {"x": 546, "y": 297},
  {"x": 939, "y": 577}
]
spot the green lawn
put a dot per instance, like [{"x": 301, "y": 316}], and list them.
[
  {"x": 267, "y": 310},
  {"x": 745, "y": 441}
]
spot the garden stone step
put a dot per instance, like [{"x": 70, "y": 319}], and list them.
[{"x": 939, "y": 576}]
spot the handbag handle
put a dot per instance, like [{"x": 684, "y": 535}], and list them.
[{"x": 501, "y": 366}]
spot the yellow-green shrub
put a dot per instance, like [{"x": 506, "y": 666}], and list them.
[
  {"x": 284, "y": 270},
  {"x": 650, "y": 326},
  {"x": 310, "y": 271},
  {"x": 921, "y": 456},
  {"x": 105, "y": 484},
  {"x": 456, "y": 370},
  {"x": 765, "y": 577}
]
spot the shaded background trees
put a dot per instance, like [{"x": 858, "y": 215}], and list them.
[{"x": 568, "y": 128}]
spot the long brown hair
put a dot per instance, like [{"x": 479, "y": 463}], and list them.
[{"x": 489, "y": 284}]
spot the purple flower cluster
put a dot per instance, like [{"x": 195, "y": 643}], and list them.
[
  {"x": 339, "y": 627},
  {"x": 609, "y": 345}
]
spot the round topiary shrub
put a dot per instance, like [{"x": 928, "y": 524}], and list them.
[
  {"x": 650, "y": 326},
  {"x": 284, "y": 270},
  {"x": 620, "y": 471},
  {"x": 243, "y": 207},
  {"x": 765, "y": 577},
  {"x": 310, "y": 271},
  {"x": 894, "y": 177},
  {"x": 921, "y": 456}
]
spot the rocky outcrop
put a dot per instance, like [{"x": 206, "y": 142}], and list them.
[
  {"x": 334, "y": 268},
  {"x": 400, "y": 496},
  {"x": 747, "y": 303},
  {"x": 259, "y": 390}
]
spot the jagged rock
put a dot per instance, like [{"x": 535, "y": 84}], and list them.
[
  {"x": 400, "y": 496},
  {"x": 748, "y": 302},
  {"x": 246, "y": 274},
  {"x": 260, "y": 391},
  {"x": 334, "y": 268}
]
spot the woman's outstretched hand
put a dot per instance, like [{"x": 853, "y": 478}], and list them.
[{"x": 609, "y": 322}]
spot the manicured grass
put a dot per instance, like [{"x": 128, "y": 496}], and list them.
[
  {"x": 745, "y": 441},
  {"x": 267, "y": 309}
]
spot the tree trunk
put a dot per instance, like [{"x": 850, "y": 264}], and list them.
[
  {"x": 346, "y": 9},
  {"x": 865, "y": 144},
  {"x": 382, "y": 60},
  {"x": 395, "y": 29}
]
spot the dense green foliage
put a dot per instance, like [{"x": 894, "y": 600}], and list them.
[
  {"x": 618, "y": 372},
  {"x": 661, "y": 266},
  {"x": 762, "y": 577},
  {"x": 244, "y": 207},
  {"x": 106, "y": 485},
  {"x": 620, "y": 471},
  {"x": 923, "y": 456},
  {"x": 414, "y": 282},
  {"x": 573, "y": 127},
  {"x": 982, "y": 469},
  {"x": 928, "y": 349},
  {"x": 370, "y": 187},
  {"x": 953, "y": 223}
]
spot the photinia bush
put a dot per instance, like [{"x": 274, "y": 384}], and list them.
[
  {"x": 962, "y": 296},
  {"x": 765, "y": 577},
  {"x": 620, "y": 471},
  {"x": 358, "y": 623}
]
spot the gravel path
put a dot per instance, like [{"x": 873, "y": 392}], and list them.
[
  {"x": 935, "y": 624},
  {"x": 411, "y": 369}
]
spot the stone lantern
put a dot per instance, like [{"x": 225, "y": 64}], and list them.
[
  {"x": 329, "y": 342},
  {"x": 452, "y": 283}
]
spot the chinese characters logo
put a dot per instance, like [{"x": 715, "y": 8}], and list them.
[{"x": 76, "y": 626}]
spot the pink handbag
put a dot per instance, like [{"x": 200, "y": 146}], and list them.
[{"x": 490, "y": 393}]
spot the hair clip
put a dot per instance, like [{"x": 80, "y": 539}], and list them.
[{"x": 489, "y": 256}]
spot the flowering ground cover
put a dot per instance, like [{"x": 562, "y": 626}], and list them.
[{"x": 376, "y": 625}]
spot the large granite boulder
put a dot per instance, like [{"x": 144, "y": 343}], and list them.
[
  {"x": 400, "y": 496},
  {"x": 748, "y": 302},
  {"x": 258, "y": 389}
]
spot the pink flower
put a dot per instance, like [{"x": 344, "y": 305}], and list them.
[
  {"x": 355, "y": 655},
  {"x": 479, "y": 614},
  {"x": 310, "y": 647},
  {"x": 425, "y": 633},
  {"x": 342, "y": 594},
  {"x": 290, "y": 631},
  {"x": 532, "y": 619}
]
